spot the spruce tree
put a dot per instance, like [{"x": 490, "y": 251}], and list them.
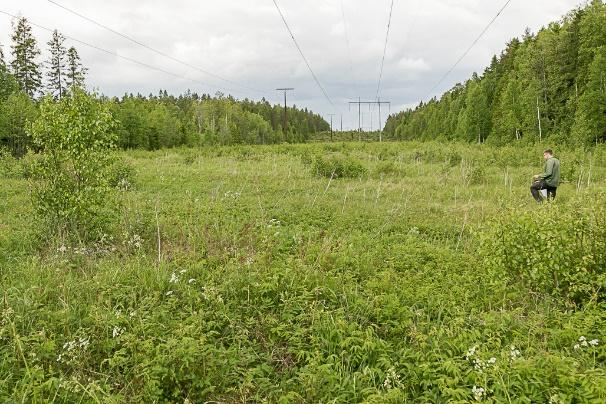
[
  {"x": 75, "y": 71},
  {"x": 57, "y": 77},
  {"x": 25, "y": 51}
]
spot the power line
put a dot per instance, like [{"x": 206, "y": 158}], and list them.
[
  {"x": 469, "y": 49},
  {"x": 159, "y": 52},
  {"x": 384, "y": 50},
  {"x": 303, "y": 56},
  {"x": 112, "y": 53}
]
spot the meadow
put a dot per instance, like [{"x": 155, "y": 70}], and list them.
[{"x": 329, "y": 272}]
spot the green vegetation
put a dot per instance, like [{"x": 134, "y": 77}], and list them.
[
  {"x": 545, "y": 86},
  {"x": 237, "y": 274},
  {"x": 152, "y": 122},
  {"x": 72, "y": 173}
]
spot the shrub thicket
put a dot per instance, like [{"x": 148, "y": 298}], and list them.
[{"x": 556, "y": 250}]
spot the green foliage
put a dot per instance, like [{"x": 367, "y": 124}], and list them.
[
  {"x": 193, "y": 120},
  {"x": 590, "y": 123},
  {"x": 71, "y": 179},
  {"x": 15, "y": 113},
  {"x": 555, "y": 77},
  {"x": 557, "y": 250},
  {"x": 472, "y": 173},
  {"x": 338, "y": 167}
]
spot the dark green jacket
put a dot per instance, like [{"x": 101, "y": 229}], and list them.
[{"x": 551, "y": 172}]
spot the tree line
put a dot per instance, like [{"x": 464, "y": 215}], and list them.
[
  {"x": 149, "y": 122},
  {"x": 545, "y": 86}
]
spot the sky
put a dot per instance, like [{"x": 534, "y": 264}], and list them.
[{"x": 247, "y": 50}]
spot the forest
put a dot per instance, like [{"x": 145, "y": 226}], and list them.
[
  {"x": 149, "y": 122},
  {"x": 545, "y": 86}
]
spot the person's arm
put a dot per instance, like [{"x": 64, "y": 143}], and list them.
[{"x": 548, "y": 169}]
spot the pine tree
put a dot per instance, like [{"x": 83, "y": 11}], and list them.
[
  {"x": 2, "y": 62},
  {"x": 57, "y": 78},
  {"x": 25, "y": 51},
  {"x": 75, "y": 71}
]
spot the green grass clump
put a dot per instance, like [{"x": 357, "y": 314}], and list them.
[{"x": 338, "y": 167}]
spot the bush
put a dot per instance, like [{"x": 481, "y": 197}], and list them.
[
  {"x": 121, "y": 175},
  {"x": 71, "y": 188},
  {"x": 388, "y": 168},
  {"x": 472, "y": 173},
  {"x": 557, "y": 250},
  {"x": 338, "y": 167},
  {"x": 9, "y": 165}
]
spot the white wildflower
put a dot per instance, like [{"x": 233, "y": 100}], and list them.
[
  {"x": 392, "y": 379},
  {"x": 514, "y": 353},
  {"x": 192, "y": 280},
  {"x": 274, "y": 223},
  {"x": 117, "y": 331},
  {"x": 471, "y": 352},
  {"x": 478, "y": 393},
  {"x": 492, "y": 361},
  {"x": 594, "y": 342},
  {"x": 170, "y": 292},
  {"x": 72, "y": 349},
  {"x": 174, "y": 278},
  {"x": 62, "y": 249},
  {"x": 83, "y": 342},
  {"x": 414, "y": 231},
  {"x": 576, "y": 347}
]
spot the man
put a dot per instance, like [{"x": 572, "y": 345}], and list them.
[{"x": 549, "y": 179}]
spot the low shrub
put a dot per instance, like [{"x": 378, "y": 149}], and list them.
[
  {"x": 338, "y": 167},
  {"x": 121, "y": 175},
  {"x": 556, "y": 250},
  {"x": 9, "y": 165}
]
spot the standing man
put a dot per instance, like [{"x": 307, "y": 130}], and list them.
[{"x": 549, "y": 179}]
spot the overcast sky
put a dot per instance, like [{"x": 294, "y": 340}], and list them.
[{"x": 246, "y": 42}]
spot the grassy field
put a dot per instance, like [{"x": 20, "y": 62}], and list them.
[{"x": 344, "y": 272}]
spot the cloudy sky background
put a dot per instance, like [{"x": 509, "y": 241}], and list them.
[{"x": 246, "y": 42}]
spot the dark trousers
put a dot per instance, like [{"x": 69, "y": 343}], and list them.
[{"x": 537, "y": 186}]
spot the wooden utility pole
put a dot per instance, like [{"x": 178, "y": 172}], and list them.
[
  {"x": 331, "y": 115},
  {"x": 285, "y": 118}
]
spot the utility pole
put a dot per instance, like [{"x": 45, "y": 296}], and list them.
[
  {"x": 341, "y": 123},
  {"x": 331, "y": 115},
  {"x": 369, "y": 103},
  {"x": 285, "y": 118}
]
